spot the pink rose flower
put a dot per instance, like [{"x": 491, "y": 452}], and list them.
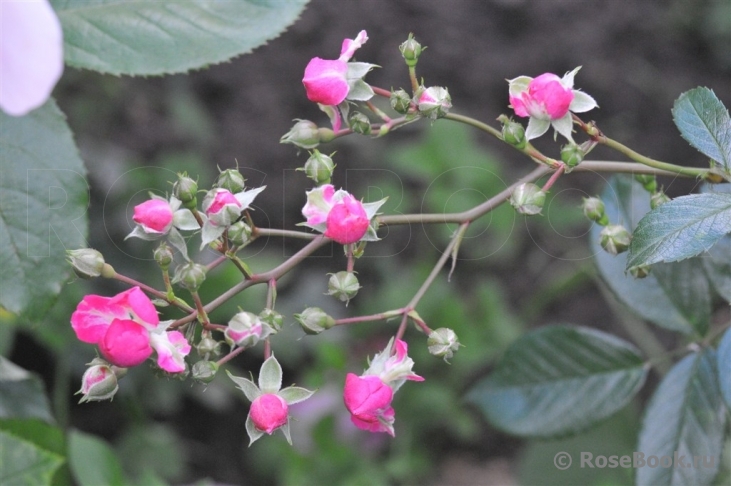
[
  {"x": 126, "y": 343},
  {"x": 127, "y": 328},
  {"x": 347, "y": 221},
  {"x": 548, "y": 100},
  {"x": 221, "y": 199},
  {"x": 325, "y": 81},
  {"x": 368, "y": 400},
  {"x": 154, "y": 216},
  {"x": 269, "y": 412},
  {"x": 221, "y": 207},
  {"x": 31, "y": 55}
]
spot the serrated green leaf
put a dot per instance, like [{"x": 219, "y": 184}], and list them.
[
  {"x": 704, "y": 122},
  {"x": 22, "y": 463},
  {"x": 724, "y": 367},
  {"x": 43, "y": 201},
  {"x": 559, "y": 380},
  {"x": 653, "y": 297},
  {"x": 685, "y": 416},
  {"x": 679, "y": 229},
  {"x": 22, "y": 393},
  {"x": 92, "y": 461},
  {"x": 717, "y": 262},
  {"x": 163, "y": 37}
]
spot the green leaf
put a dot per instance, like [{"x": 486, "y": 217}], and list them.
[
  {"x": 22, "y": 393},
  {"x": 724, "y": 367},
  {"x": 717, "y": 263},
  {"x": 679, "y": 229},
  {"x": 44, "y": 436},
  {"x": 43, "y": 201},
  {"x": 685, "y": 415},
  {"x": 704, "y": 122},
  {"x": 559, "y": 380},
  {"x": 92, "y": 461},
  {"x": 270, "y": 375},
  {"x": 24, "y": 463},
  {"x": 163, "y": 37},
  {"x": 681, "y": 304}
]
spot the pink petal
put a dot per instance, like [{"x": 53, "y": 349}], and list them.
[
  {"x": 347, "y": 221},
  {"x": 325, "y": 81},
  {"x": 154, "y": 215},
  {"x": 171, "y": 348},
  {"x": 31, "y": 54},
  {"x": 139, "y": 305},
  {"x": 269, "y": 412},
  {"x": 93, "y": 316},
  {"x": 126, "y": 343}
]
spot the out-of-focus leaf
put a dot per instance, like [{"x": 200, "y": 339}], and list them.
[
  {"x": 679, "y": 229},
  {"x": 44, "y": 436},
  {"x": 92, "y": 461},
  {"x": 22, "y": 394},
  {"x": 686, "y": 416},
  {"x": 704, "y": 122},
  {"x": 162, "y": 37},
  {"x": 559, "y": 380},
  {"x": 43, "y": 201},
  {"x": 23, "y": 463},
  {"x": 678, "y": 305}
]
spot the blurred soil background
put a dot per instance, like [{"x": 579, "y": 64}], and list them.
[{"x": 513, "y": 274}]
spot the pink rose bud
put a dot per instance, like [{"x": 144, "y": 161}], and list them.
[
  {"x": 126, "y": 343},
  {"x": 347, "y": 221},
  {"x": 98, "y": 383},
  {"x": 221, "y": 207},
  {"x": 546, "y": 98},
  {"x": 269, "y": 412},
  {"x": 154, "y": 216},
  {"x": 368, "y": 400},
  {"x": 326, "y": 81}
]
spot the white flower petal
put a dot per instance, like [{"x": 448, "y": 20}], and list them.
[
  {"x": 536, "y": 128},
  {"x": 564, "y": 126},
  {"x": 247, "y": 197},
  {"x": 568, "y": 79},
  {"x": 31, "y": 54},
  {"x": 518, "y": 85},
  {"x": 582, "y": 102}
]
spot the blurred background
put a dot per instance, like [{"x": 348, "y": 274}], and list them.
[{"x": 513, "y": 274}]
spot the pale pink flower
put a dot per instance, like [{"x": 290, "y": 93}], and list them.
[{"x": 31, "y": 54}]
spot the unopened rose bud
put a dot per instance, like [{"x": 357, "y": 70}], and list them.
[
  {"x": 648, "y": 181},
  {"x": 594, "y": 210},
  {"x": 204, "y": 371},
  {"x": 231, "y": 180},
  {"x": 206, "y": 346},
  {"x": 343, "y": 285},
  {"x": 245, "y": 329},
  {"x": 186, "y": 189},
  {"x": 572, "y": 155},
  {"x": 615, "y": 239},
  {"x": 273, "y": 318},
  {"x": 640, "y": 271},
  {"x": 410, "y": 50},
  {"x": 87, "y": 263},
  {"x": 528, "y": 199},
  {"x": 239, "y": 233},
  {"x": 657, "y": 199},
  {"x": 304, "y": 134},
  {"x": 434, "y": 102},
  {"x": 314, "y": 320},
  {"x": 190, "y": 276},
  {"x": 319, "y": 167},
  {"x": 443, "y": 343},
  {"x": 98, "y": 383},
  {"x": 359, "y": 123},
  {"x": 163, "y": 255},
  {"x": 513, "y": 133},
  {"x": 400, "y": 101}
]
